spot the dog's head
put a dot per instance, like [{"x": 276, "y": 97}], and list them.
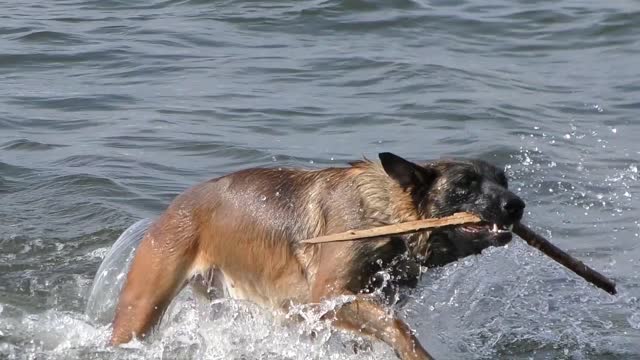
[{"x": 444, "y": 187}]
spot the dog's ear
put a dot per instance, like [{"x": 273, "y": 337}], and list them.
[{"x": 406, "y": 173}]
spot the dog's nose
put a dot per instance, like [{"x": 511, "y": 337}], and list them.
[{"x": 514, "y": 208}]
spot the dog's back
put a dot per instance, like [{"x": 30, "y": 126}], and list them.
[{"x": 251, "y": 222}]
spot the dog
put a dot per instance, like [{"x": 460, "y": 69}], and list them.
[{"x": 244, "y": 231}]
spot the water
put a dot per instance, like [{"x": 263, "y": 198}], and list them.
[{"x": 111, "y": 108}]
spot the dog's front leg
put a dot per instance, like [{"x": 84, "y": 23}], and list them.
[{"x": 366, "y": 316}]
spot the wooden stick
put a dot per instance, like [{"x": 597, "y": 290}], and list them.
[
  {"x": 565, "y": 259},
  {"x": 519, "y": 229},
  {"x": 396, "y": 229}
]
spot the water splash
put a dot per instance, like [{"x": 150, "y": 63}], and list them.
[{"x": 111, "y": 275}]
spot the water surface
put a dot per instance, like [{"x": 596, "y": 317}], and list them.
[{"x": 109, "y": 109}]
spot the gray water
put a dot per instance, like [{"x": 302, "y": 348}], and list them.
[{"x": 109, "y": 109}]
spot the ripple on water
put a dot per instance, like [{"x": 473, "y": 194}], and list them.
[
  {"x": 51, "y": 37},
  {"x": 28, "y": 145},
  {"x": 97, "y": 102}
]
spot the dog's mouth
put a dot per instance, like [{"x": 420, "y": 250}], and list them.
[
  {"x": 500, "y": 233},
  {"x": 485, "y": 226}
]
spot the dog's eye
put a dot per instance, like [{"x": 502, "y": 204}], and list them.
[{"x": 468, "y": 182}]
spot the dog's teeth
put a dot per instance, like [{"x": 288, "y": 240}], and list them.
[
  {"x": 495, "y": 228},
  {"x": 510, "y": 227}
]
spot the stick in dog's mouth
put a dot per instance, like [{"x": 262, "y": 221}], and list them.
[{"x": 471, "y": 222}]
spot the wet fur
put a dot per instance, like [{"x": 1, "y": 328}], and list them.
[{"x": 244, "y": 230}]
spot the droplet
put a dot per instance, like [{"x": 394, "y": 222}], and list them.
[{"x": 634, "y": 320}]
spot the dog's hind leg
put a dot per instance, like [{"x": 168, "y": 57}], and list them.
[
  {"x": 368, "y": 317},
  {"x": 163, "y": 262}
]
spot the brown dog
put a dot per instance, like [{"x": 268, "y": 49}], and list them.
[{"x": 244, "y": 229}]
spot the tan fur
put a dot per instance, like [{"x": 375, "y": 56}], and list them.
[
  {"x": 384, "y": 201},
  {"x": 246, "y": 228}
]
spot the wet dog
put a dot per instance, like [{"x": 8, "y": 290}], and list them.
[{"x": 244, "y": 230}]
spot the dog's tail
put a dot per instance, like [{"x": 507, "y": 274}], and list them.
[{"x": 112, "y": 273}]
